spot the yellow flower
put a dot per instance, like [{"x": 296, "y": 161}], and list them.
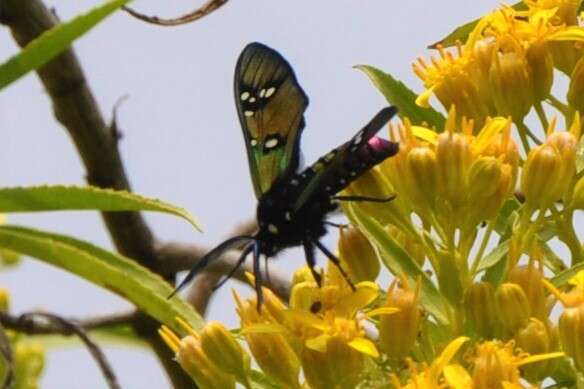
[
  {"x": 441, "y": 369},
  {"x": 357, "y": 255},
  {"x": 454, "y": 179},
  {"x": 193, "y": 360},
  {"x": 452, "y": 79},
  {"x": 496, "y": 365},
  {"x": 571, "y": 323},
  {"x": 334, "y": 295},
  {"x": 398, "y": 332},
  {"x": 268, "y": 340}
]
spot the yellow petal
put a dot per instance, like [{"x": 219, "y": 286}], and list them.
[
  {"x": 571, "y": 33},
  {"x": 423, "y": 99},
  {"x": 425, "y": 134},
  {"x": 319, "y": 343},
  {"x": 364, "y": 346},
  {"x": 365, "y": 294},
  {"x": 540, "y": 357},
  {"x": 487, "y": 134},
  {"x": 382, "y": 311},
  {"x": 263, "y": 328},
  {"x": 447, "y": 354},
  {"x": 457, "y": 377}
]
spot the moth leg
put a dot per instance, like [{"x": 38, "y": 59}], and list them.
[
  {"x": 257, "y": 271},
  {"x": 248, "y": 249},
  {"x": 311, "y": 261},
  {"x": 364, "y": 199},
  {"x": 336, "y": 225},
  {"x": 267, "y": 271},
  {"x": 333, "y": 258}
]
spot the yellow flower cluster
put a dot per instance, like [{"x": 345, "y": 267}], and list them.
[{"x": 466, "y": 237}]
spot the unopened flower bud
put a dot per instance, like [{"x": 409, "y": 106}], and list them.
[
  {"x": 29, "y": 360},
  {"x": 272, "y": 352},
  {"x": 542, "y": 69},
  {"x": 224, "y": 351},
  {"x": 358, "y": 256},
  {"x": 513, "y": 308},
  {"x": 480, "y": 309},
  {"x": 537, "y": 338},
  {"x": 454, "y": 157},
  {"x": 511, "y": 85},
  {"x": 576, "y": 89},
  {"x": 483, "y": 178},
  {"x": 529, "y": 278},
  {"x": 422, "y": 174},
  {"x": 571, "y": 330},
  {"x": 566, "y": 144},
  {"x": 540, "y": 177},
  {"x": 398, "y": 331},
  {"x": 340, "y": 366},
  {"x": 203, "y": 371},
  {"x": 413, "y": 246},
  {"x": 492, "y": 367}
]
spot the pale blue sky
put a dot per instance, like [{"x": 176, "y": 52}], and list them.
[{"x": 182, "y": 140}]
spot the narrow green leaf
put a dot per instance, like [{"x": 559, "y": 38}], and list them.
[
  {"x": 397, "y": 260},
  {"x": 398, "y": 94},
  {"x": 496, "y": 255},
  {"x": 121, "y": 275},
  {"x": 53, "y": 42},
  {"x": 551, "y": 260},
  {"x": 461, "y": 33},
  {"x": 565, "y": 276},
  {"x": 506, "y": 217},
  {"x": 67, "y": 198}
]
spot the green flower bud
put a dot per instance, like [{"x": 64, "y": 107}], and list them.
[{"x": 480, "y": 308}]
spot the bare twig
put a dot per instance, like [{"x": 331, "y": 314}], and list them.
[
  {"x": 6, "y": 352},
  {"x": 202, "y": 290},
  {"x": 197, "y": 14},
  {"x": 40, "y": 322}
]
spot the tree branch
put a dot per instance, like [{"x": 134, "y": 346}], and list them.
[
  {"x": 29, "y": 323},
  {"x": 197, "y": 14}
]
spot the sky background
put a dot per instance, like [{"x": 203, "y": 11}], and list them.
[{"x": 181, "y": 136}]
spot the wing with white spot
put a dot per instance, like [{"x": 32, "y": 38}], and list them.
[
  {"x": 337, "y": 169},
  {"x": 271, "y": 106}
]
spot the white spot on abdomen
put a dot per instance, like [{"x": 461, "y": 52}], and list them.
[
  {"x": 271, "y": 143},
  {"x": 273, "y": 229},
  {"x": 248, "y": 113},
  {"x": 244, "y": 96}
]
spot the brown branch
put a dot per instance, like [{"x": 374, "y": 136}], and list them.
[
  {"x": 76, "y": 109},
  {"x": 40, "y": 322},
  {"x": 6, "y": 352},
  {"x": 180, "y": 256},
  {"x": 197, "y": 14}
]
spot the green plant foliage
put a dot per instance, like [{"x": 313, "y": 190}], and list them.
[
  {"x": 398, "y": 94},
  {"x": 121, "y": 275},
  {"x": 53, "y": 42},
  {"x": 395, "y": 258},
  {"x": 67, "y": 198}
]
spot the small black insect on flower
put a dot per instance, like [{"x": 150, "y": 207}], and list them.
[{"x": 292, "y": 205}]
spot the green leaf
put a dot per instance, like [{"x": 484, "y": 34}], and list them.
[
  {"x": 261, "y": 381},
  {"x": 121, "y": 275},
  {"x": 397, "y": 260},
  {"x": 506, "y": 217},
  {"x": 565, "y": 276},
  {"x": 67, "y": 198},
  {"x": 51, "y": 43},
  {"x": 461, "y": 33},
  {"x": 551, "y": 260},
  {"x": 496, "y": 255},
  {"x": 398, "y": 94}
]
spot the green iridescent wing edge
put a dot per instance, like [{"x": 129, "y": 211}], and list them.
[{"x": 270, "y": 104}]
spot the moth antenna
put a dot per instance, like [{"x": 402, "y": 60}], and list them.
[
  {"x": 245, "y": 252},
  {"x": 210, "y": 257},
  {"x": 257, "y": 271}
]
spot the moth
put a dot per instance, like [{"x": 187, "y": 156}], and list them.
[{"x": 292, "y": 204}]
